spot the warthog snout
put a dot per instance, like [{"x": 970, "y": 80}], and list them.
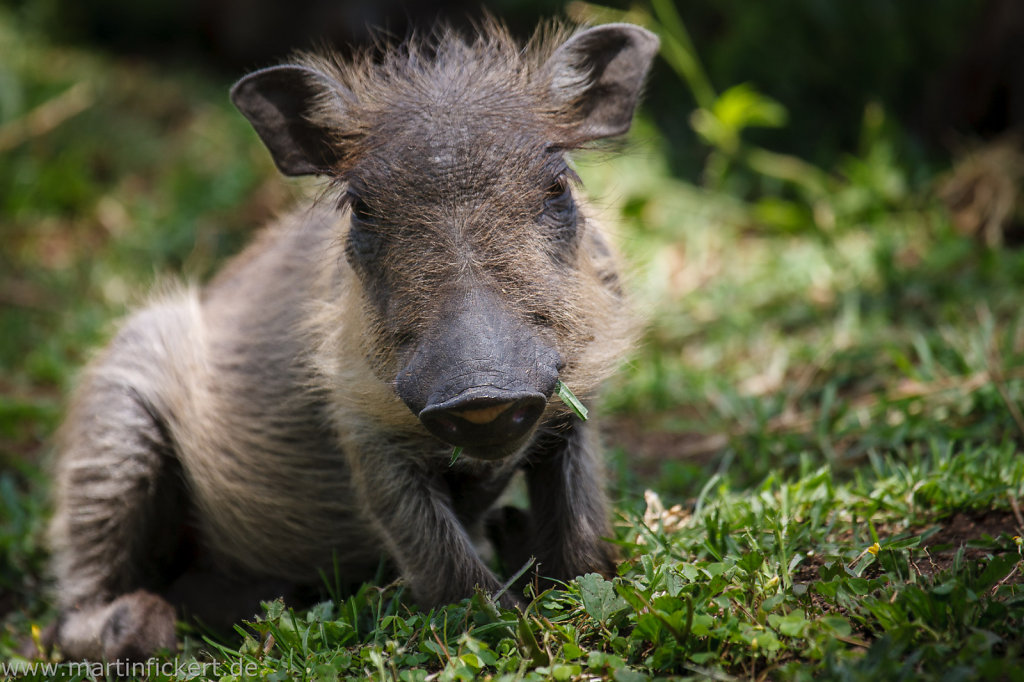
[{"x": 482, "y": 379}]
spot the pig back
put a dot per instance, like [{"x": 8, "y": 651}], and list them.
[{"x": 262, "y": 459}]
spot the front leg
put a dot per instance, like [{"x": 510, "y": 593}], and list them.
[
  {"x": 410, "y": 509},
  {"x": 569, "y": 510}
]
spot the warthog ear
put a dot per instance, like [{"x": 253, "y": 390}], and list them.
[
  {"x": 597, "y": 75},
  {"x": 278, "y": 102}
]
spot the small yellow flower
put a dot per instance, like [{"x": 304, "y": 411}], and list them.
[
  {"x": 772, "y": 582},
  {"x": 1018, "y": 540},
  {"x": 38, "y": 641},
  {"x": 874, "y": 548},
  {"x": 753, "y": 643}
]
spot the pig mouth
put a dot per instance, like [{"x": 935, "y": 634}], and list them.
[{"x": 495, "y": 453}]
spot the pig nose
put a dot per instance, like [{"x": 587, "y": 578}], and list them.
[{"x": 484, "y": 421}]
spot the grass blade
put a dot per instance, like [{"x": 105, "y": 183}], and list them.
[{"x": 571, "y": 400}]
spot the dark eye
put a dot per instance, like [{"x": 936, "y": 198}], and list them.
[
  {"x": 360, "y": 211},
  {"x": 558, "y": 195},
  {"x": 560, "y": 210},
  {"x": 363, "y": 244}
]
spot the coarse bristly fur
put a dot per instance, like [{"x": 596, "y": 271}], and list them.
[{"x": 234, "y": 441}]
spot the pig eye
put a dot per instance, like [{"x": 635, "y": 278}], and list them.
[
  {"x": 360, "y": 211},
  {"x": 363, "y": 244},
  {"x": 558, "y": 193},
  {"x": 560, "y": 209}
]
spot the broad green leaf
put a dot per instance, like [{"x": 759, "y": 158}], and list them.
[{"x": 599, "y": 597}]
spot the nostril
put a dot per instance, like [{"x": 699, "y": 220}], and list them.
[
  {"x": 448, "y": 426},
  {"x": 520, "y": 416}
]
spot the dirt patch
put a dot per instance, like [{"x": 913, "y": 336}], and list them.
[
  {"x": 967, "y": 530},
  {"x": 964, "y": 527},
  {"x": 977, "y": 532}
]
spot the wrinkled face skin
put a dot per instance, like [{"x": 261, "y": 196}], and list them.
[{"x": 463, "y": 231}]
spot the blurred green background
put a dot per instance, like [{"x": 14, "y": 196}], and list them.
[{"x": 820, "y": 204}]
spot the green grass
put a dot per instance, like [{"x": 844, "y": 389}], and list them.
[{"x": 816, "y": 450}]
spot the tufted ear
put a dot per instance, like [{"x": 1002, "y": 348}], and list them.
[
  {"x": 597, "y": 75},
  {"x": 279, "y": 102}
]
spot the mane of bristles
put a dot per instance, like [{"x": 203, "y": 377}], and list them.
[
  {"x": 368, "y": 72},
  {"x": 488, "y": 61}
]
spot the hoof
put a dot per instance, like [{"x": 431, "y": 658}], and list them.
[{"x": 133, "y": 627}]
